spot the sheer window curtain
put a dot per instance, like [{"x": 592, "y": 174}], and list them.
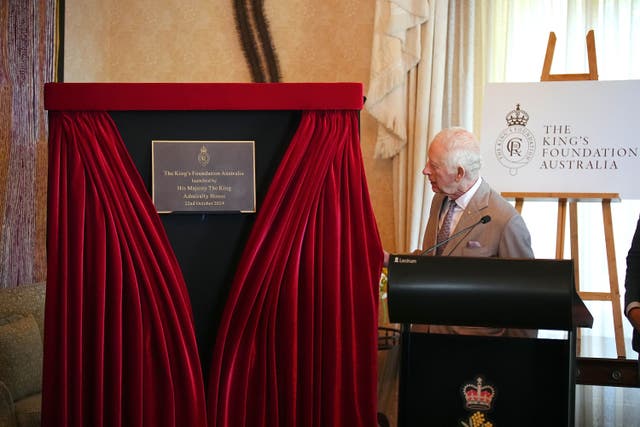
[
  {"x": 409, "y": 97},
  {"x": 422, "y": 79}
]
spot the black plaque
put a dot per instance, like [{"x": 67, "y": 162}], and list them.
[{"x": 203, "y": 176}]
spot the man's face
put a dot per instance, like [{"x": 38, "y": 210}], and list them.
[{"x": 441, "y": 178}]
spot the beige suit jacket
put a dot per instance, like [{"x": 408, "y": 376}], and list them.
[{"x": 505, "y": 236}]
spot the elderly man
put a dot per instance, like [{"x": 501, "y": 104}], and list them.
[{"x": 462, "y": 199}]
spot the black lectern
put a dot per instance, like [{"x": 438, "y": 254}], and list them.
[{"x": 472, "y": 380}]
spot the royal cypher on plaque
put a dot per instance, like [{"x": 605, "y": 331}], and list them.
[{"x": 203, "y": 176}]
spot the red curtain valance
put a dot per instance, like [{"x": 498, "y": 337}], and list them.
[{"x": 202, "y": 96}]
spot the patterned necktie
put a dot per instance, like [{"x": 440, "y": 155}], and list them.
[{"x": 445, "y": 229}]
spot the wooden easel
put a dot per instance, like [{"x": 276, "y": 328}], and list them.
[
  {"x": 548, "y": 58},
  {"x": 572, "y": 199},
  {"x": 613, "y": 296}
]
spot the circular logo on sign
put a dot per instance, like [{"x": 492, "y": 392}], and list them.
[{"x": 516, "y": 144}]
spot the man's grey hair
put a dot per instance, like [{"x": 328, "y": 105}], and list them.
[{"x": 463, "y": 149}]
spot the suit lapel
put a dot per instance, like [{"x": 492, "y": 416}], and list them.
[{"x": 475, "y": 209}]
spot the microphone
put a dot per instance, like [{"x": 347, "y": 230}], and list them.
[{"x": 485, "y": 219}]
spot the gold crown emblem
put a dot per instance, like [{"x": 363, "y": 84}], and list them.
[
  {"x": 517, "y": 117},
  {"x": 204, "y": 157},
  {"x": 478, "y": 396}
]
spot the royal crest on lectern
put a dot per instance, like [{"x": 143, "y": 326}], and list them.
[
  {"x": 478, "y": 397},
  {"x": 516, "y": 144}
]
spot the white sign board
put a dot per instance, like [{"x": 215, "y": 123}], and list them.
[{"x": 562, "y": 137}]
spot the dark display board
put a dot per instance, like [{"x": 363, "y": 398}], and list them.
[{"x": 209, "y": 245}]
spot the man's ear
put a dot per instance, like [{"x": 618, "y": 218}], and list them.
[{"x": 460, "y": 174}]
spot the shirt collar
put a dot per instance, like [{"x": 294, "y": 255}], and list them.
[{"x": 463, "y": 201}]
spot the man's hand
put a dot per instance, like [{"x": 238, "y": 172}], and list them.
[{"x": 634, "y": 318}]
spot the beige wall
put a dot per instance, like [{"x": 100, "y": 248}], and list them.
[{"x": 196, "y": 41}]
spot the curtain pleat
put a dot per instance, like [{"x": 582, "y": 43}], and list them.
[
  {"x": 297, "y": 342},
  {"x": 120, "y": 345}
]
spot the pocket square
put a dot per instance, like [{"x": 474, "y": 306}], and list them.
[{"x": 473, "y": 244}]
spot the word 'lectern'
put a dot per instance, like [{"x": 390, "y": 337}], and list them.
[{"x": 464, "y": 380}]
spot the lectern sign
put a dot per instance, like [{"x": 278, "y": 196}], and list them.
[{"x": 203, "y": 176}]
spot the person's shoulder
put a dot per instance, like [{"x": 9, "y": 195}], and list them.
[
  {"x": 501, "y": 205},
  {"x": 497, "y": 197}
]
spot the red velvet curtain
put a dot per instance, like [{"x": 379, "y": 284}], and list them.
[
  {"x": 297, "y": 344},
  {"x": 120, "y": 346}
]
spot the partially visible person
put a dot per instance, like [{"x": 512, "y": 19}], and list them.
[
  {"x": 453, "y": 169},
  {"x": 632, "y": 290}
]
